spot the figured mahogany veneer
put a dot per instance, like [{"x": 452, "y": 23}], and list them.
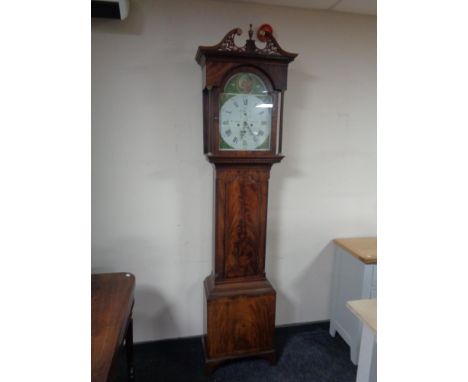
[
  {"x": 239, "y": 321},
  {"x": 240, "y": 317},
  {"x": 239, "y": 314},
  {"x": 241, "y": 206}
]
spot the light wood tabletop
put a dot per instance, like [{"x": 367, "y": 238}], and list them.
[
  {"x": 363, "y": 248},
  {"x": 366, "y": 310}
]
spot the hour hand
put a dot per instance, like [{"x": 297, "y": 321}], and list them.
[{"x": 248, "y": 127}]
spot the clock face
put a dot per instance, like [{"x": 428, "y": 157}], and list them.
[{"x": 245, "y": 114}]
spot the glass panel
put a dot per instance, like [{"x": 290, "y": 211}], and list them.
[{"x": 245, "y": 114}]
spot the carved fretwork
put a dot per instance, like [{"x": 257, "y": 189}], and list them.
[
  {"x": 272, "y": 47},
  {"x": 228, "y": 46}
]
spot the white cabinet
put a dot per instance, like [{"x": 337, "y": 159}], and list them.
[{"x": 354, "y": 278}]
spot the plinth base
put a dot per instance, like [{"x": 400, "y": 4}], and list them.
[
  {"x": 239, "y": 321},
  {"x": 211, "y": 364}
]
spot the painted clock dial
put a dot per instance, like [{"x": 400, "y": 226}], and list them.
[{"x": 245, "y": 114}]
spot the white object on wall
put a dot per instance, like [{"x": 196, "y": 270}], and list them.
[{"x": 110, "y": 8}]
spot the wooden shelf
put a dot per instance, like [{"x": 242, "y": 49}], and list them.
[
  {"x": 366, "y": 310},
  {"x": 362, "y": 248}
]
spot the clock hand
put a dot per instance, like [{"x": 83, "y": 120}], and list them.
[{"x": 248, "y": 127}]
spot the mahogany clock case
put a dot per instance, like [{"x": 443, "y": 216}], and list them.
[{"x": 239, "y": 312}]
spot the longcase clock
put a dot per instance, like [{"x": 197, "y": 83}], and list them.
[{"x": 243, "y": 90}]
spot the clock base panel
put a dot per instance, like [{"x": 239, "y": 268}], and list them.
[{"x": 239, "y": 321}]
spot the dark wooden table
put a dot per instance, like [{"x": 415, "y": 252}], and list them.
[{"x": 112, "y": 296}]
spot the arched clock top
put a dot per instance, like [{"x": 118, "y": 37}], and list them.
[
  {"x": 246, "y": 79},
  {"x": 217, "y": 73},
  {"x": 245, "y": 82}
]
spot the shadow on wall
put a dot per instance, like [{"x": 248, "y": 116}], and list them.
[
  {"x": 298, "y": 95},
  {"x": 316, "y": 275},
  {"x": 152, "y": 315},
  {"x": 311, "y": 280},
  {"x": 279, "y": 175}
]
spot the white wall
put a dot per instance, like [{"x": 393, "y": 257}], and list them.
[{"x": 152, "y": 187}]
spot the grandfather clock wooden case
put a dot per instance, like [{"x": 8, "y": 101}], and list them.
[{"x": 243, "y": 89}]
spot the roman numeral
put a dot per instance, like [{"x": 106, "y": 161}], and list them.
[
  {"x": 235, "y": 140},
  {"x": 246, "y": 101},
  {"x": 236, "y": 104}
]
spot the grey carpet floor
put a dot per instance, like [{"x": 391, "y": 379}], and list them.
[{"x": 306, "y": 353}]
